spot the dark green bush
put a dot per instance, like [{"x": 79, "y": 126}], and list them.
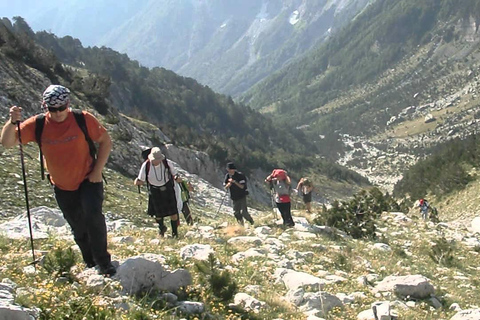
[
  {"x": 443, "y": 252},
  {"x": 59, "y": 262},
  {"x": 219, "y": 283},
  {"x": 357, "y": 216}
]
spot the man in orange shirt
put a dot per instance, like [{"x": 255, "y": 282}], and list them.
[{"x": 75, "y": 175}]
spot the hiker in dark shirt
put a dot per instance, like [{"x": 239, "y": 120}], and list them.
[
  {"x": 305, "y": 189},
  {"x": 237, "y": 183}
]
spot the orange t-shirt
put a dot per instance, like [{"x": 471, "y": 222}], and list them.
[{"x": 65, "y": 148}]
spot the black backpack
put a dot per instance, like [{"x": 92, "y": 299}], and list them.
[{"x": 80, "y": 119}]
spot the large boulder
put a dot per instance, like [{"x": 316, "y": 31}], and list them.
[
  {"x": 468, "y": 314},
  {"x": 294, "y": 279},
  {"x": 414, "y": 286},
  {"x": 139, "y": 274},
  {"x": 476, "y": 225}
]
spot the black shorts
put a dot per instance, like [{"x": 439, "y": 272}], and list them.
[{"x": 307, "y": 197}]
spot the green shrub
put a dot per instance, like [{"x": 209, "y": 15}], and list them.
[
  {"x": 111, "y": 119},
  {"x": 122, "y": 134},
  {"x": 443, "y": 253},
  {"x": 218, "y": 283},
  {"x": 4, "y": 243},
  {"x": 357, "y": 217},
  {"x": 59, "y": 262},
  {"x": 343, "y": 262}
]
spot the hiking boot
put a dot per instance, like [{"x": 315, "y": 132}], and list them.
[
  {"x": 107, "y": 270},
  {"x": 162, "y": 231},
  {"x": 90, "y": 264}
]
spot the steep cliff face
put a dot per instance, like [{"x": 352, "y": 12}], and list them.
[{"x": 469, "y": 28}]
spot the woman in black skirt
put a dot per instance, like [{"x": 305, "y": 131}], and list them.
[{"x": 162, "y": 200}]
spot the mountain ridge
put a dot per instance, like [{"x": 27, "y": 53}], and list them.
[{"x": 245, "y": 41}]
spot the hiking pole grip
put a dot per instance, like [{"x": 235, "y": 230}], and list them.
[{"x": 22, "y": 161}]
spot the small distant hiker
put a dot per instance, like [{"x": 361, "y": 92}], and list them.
[
  {"x": 163, "y": 199},
  {"x": 423, "y": 205},
  {"x": 75, "y": 167},
  {"x": 305, "y": 189},
  {"x": 186, "y": 188},
  {"x": 236, "y": 182},
  {"x": 281, "y": 183}
]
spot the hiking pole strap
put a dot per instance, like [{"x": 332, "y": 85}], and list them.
[{"x": 42, "y": 166}]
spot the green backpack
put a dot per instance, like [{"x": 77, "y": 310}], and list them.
[{"x": 185, "y": 192}]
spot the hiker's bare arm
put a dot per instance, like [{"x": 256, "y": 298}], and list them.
[
  {"x": 104, "y": 148},
  {"x": 9, "y": 137},
  {"x": 138, "y": 182},
  {"x": 288, "y": 180}
]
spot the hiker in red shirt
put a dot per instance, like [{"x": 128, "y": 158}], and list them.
[
  {"x": 74, "y": 174},
  {"x": 281, "y": 183}
]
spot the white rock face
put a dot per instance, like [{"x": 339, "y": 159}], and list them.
[
  {"x": 244, "y": 240},
  {"x": 248, "y": 302},
  {"x": 250, "y": 253},
  {"x": 469, "y": 314},
  {"x": 44, "y": 220},
  {"x": 196, "y": 251},
  {"x": 319, "y": 303},
  {"x": 294, "y": 279},
  {"x": 476, "y": 225},
  {"x": 8, "y": 309},
  {"x": 138, "y": 274},
  {"x": 416, "y": 286}
]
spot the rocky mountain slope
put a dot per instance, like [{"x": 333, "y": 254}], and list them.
[
  {"x": 226, "y": 45},
  {"x": 413, "y": 130},
  {"x": 414, "y": 270},
  {"x": 383, "y": 123}
]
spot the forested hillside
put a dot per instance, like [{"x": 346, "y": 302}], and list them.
[
  {"x": 449, "y": 168},
  {"x": 391, "y": 56},
  {"x": 190, "y": 114},
  {"x": 226, "y": 44}
]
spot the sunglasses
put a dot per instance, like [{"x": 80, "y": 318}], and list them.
[{"x": 59, "y": 109}]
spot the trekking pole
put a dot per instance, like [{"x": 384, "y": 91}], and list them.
[
  {"x": 272, "y": 196},
  {"x": 223, "y": 199},
  {"x": 34, "y": 262}
]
